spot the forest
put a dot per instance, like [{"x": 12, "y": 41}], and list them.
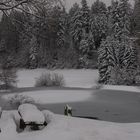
[{"x": 44, "y": 34}]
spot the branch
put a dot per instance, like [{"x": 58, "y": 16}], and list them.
[
  {"x": 7, "y": 6},
  {"x": 22, "y": 24},
  {"x": 25, "y": 11}
]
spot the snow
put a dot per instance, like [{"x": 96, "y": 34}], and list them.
[
  {"x": 7, "y": 126},
  {"x": 54, "y": 96},
  {"x": 70, "y": 128},
  {"x": 73, "y": 78},
  {"x": 30, "y": 113},
  {"x": 61, "y": 127},
  {"x": 122, "y": 88}
]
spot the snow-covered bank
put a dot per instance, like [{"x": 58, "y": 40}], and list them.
[
  {"x": 73, "y": 78},
  {"x": 83, "y": 78},
  {"x": 121, "y": 88},
  {"x": 68, "y": 128}
]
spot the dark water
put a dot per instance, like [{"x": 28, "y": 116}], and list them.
[{"x": 114, "y": 106}]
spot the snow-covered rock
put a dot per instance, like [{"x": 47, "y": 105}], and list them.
[{"x": 30, "y": 113}]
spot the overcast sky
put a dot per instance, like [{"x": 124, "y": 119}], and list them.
[{"x": 69, "y": 3}]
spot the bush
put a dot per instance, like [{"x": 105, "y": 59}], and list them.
[
  {"x": 48, "y": 80},
  {"x": 19, "y": 99}
]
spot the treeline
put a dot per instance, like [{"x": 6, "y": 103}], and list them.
[{"x": 51, "y": 37}]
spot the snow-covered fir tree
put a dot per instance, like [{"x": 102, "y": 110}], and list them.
[
  {"x": 108, "y": 57},
  {"x": 80, "y": 22},
  {"x": 136, "y": 27},
  {"x": 124, "y": 18},
  {"x": 76, "y": 28},
  {"x": 98, "y": 22},
  {"x": 136, "y": 16},
  {"x": 118, "y": 49},
  {"x": 85, "y": 15},
  {"x": 99, "y": 28},
  {"x": 74, "y": 9},
  {"x": 86, "y": 48},
  {"x": 81, "y": 31},
  {"x": 98, "y": 7},
  {"x": 62, "y": 29}
]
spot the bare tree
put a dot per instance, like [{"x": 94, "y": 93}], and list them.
[
  {"x": 11, "y": 4},
  {"x": 6, "y": 5},
  {"x": 29, "y": 7}
]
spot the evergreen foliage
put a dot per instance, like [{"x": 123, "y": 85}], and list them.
[
  {"x": 136, "y": 16},
  {"x": 99, "y": 28},
  {"x": 117, "y": 52},
  {"x": 98, "y": 7}
]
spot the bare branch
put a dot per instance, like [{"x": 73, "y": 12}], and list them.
[
  {"x": 22, "y": 24},
  {"x": 4, "y": 6}
]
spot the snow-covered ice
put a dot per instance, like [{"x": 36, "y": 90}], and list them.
[
  {"x": 70, "y": 128},
  {"x": 55, "y": 96}
]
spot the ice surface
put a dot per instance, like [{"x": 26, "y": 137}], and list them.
[{"x": 55, "y": 96}]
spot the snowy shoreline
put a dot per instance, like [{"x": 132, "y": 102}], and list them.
[{"x": 121, "y": 88}]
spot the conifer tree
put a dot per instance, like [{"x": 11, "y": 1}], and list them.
[
  {"x": 99, "y": 28},
  {"x": 136, "y": 27},
  {"x": 74, "y": 9},
  {"x": 98, "y": 7},
  {"x": 85, "y": 15},
  {"x": 108, "y": 57},
  {"x": 62, "y": 29},
  {"x": 136, "y": 16},
  {"x": 80, "y": 23},
  {"x": 118, "y": 48},
  {"x": 76, "y": 29}
]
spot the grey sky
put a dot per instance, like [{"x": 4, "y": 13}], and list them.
[{"x": 69, "y": 3}]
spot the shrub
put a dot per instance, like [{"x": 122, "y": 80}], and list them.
[
  {"x": 48, "y": 80},
  {"x": 57, "y": 80},
  {"x": 19, "y": 99}
]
